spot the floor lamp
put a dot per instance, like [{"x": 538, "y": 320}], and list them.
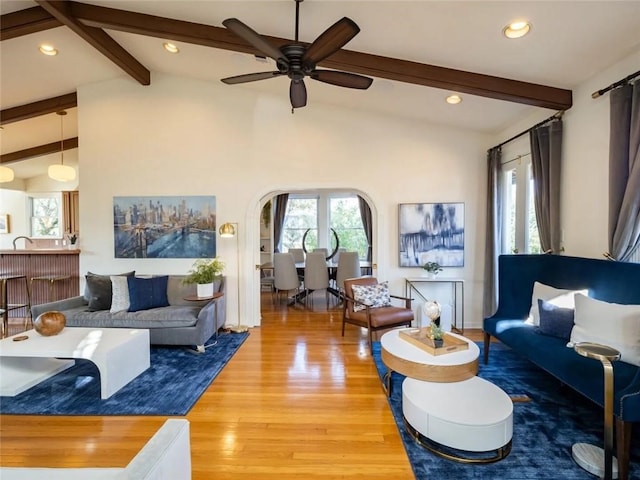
[{"x": 228, "y": 230}]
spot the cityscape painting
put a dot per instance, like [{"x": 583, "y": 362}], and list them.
[
  {"x": 431, "y": 232},
  {"x": 164, "y": 227}
]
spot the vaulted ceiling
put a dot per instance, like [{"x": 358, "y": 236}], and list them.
[{"x": 417, "y": 52}]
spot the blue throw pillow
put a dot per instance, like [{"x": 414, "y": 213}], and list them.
[
  {"x": 555, "y": 321},
  {"x": 146, "y": 293}
]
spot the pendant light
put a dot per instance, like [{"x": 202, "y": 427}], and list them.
[
  {"x": 62, "y": 172},
  {"x": 6, "y": 174}
]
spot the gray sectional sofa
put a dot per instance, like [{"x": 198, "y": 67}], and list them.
[{"x": 182, "y": 322}]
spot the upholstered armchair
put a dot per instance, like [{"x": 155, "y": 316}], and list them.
[{"x": 368, "y": 304}]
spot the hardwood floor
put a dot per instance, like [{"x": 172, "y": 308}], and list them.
[{"x": 296, "y": 401}]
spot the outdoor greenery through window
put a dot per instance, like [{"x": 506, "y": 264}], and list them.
[
  {"x": 316, "y": 215},
  {"x": 520, "y": 228},
  {"x": 45, "y": 217}
]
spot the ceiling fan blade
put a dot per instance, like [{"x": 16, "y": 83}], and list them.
[
  {"x": 342, "y": 79},
  {"x": 254, "y": 38},
  {"x": 331, "y": 40},
  {"x": 251, "y": 77},
  {"x": 298, "y": 93}
]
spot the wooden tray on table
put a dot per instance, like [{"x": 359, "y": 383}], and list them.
[{"x": 419, "y": 337}]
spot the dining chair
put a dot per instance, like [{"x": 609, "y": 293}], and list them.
[
  {"x": 324, "y": 251},
  {"x": 361, "y": 309},
  {"x": 348, "y": 267},
  {"x": 298, "y": 254},
  {"x": 285, "y": 273},
  {"x": 316, "y": 275}
]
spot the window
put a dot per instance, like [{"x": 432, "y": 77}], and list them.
[
  {"x": 316, "y": 215},
  {"x": 345, "y": 219},
  {"x": 45, "y": 216},
  {"x": 519, "y": 226}
]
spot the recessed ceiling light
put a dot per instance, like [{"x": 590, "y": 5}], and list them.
[
  {"x": 516, "y": 29},
  {"x": 170, "y": 47},
  {"x": 48, "y": 49},
  {"x": 454, "y": 99}
]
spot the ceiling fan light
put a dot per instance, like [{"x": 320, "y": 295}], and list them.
[
  {"x": 171, "y": 47},
  {"x": 516, "y": 29},
  {"x": 61, "y": 173},
  {"x": 454, "y": 99},
  {"x": 6, "y": 174},
  {"x": 48, "y": 49}
]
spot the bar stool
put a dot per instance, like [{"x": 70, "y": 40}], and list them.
[
  {"x": 52, "y": 279},
  {"x": 6, "y": 307}
]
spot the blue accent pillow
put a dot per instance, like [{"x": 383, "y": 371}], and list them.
[
  {"x": 555, "y": 321},
  {"x": 146, "y": 293}
]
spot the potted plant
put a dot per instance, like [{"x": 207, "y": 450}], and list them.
[
  {"x": 203, "y": 273},
  {"x": 73, "y": 239},
  {"x": 437, "y": 335},
  {"x": 432, "y": 269}
]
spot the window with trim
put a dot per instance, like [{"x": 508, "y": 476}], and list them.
[
  {"x": 45, "y": 214},
  {"x": 519, "y": 226},
  {"x": 315, "y": 217}
]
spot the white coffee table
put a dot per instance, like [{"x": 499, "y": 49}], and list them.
[
  {"x": 469, "y": 416},
  {"x": 121, "y": 354},
  {"x": 411, "y": 361}
]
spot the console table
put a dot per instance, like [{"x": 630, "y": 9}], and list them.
[{"x": 457, "y": 296}]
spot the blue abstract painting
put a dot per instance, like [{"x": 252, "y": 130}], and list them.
[
  {"x": 431, "y": 232},
  {"x": 164, "y": 227}
]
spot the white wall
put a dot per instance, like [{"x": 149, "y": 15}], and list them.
[{"x": 181, "y": 136}]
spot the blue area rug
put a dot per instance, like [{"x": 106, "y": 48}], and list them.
[
  {"x": 544, "y": 429},
  {"x": 171, "y": 386}
]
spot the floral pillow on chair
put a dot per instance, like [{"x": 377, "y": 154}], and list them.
[{"x": 373, "y": 296}]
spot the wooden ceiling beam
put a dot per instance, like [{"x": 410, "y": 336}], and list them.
[
  {"x": 98, "y": 39},
  {"x": 25, "y": 22},
  {"x": 40, "y": 150},
  {"x": 35, "y": 109},
  {"x": 347, "y": 60}
]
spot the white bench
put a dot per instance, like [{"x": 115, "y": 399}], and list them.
[{"x": 166, "y": 456}]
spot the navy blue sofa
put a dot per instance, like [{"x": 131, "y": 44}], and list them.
[{"x": 610, "y": 281}]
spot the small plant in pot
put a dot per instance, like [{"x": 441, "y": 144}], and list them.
[
  {"x": 432, "y": 269},
  {"x": 437, "y": 335},
  {"x": 203, "y": 273}
]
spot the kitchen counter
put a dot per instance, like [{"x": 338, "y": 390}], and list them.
[
  {"x": 41, "y": 251},
  {"x": 61, "y": 263}
]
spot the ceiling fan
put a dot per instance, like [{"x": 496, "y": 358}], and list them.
[{"x": 297, "y": 60}]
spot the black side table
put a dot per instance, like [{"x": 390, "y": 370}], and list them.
[{"x": 591, "y": 457}]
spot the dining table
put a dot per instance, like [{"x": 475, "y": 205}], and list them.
[{"x": 365, "y": 268}]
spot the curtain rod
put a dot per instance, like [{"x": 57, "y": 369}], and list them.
[
  {"x": 539, "y": 124},
  {"x": 615, "y": 85}
]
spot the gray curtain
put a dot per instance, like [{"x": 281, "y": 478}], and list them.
[
  {"x": 546, "y": 161},
  {"x": 279, "y": 211},
  {"x": 365, "y": 214},
  {"x": 494, "y": 232},
  {"x": 624, "y": 171}
]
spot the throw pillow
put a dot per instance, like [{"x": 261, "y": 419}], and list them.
[
  {"x": 120, "y": 294},
  {"x": 555, "y": 321},
  {"x": 372, "y": 295},
  {"x": 611, "y": 324},
  {"x": 97, "y": 292},
  {"x": 557, "y": 296},
  {"x": 146, "y": 293}
]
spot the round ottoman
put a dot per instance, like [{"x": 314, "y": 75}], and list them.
[{"x": 469, "y": 416}]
